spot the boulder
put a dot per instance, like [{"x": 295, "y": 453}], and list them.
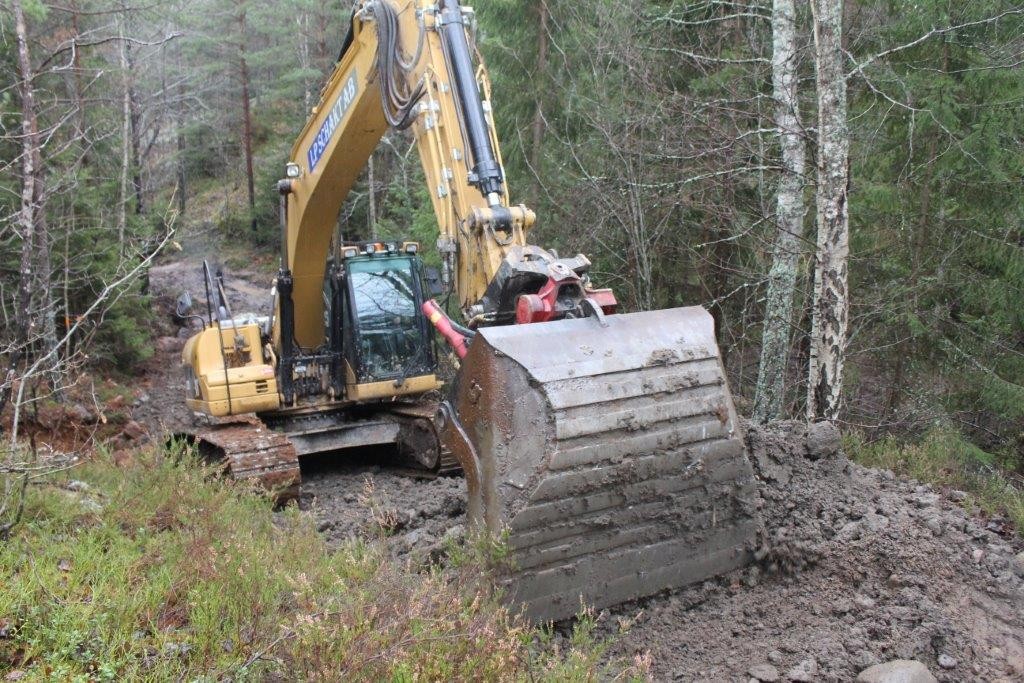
[{"x": 897, "y": 671}]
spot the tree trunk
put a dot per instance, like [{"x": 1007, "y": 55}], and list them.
[
  {"x": 76, "y": 65},
  {"x": 135, "y": 133},
  {"x": 31, "y": 195},
  {"x": 539, "y": 79},
  {"x": 243, "y": 68},
  {"x": 371, "y": 192},
  {"x": 180, "y": 136},
  {"x": 302, "y": 23},
  {"x": 789, "y": 214},
  {"x": 831, "y": 303},
  {"x": 126, "y": 134}
]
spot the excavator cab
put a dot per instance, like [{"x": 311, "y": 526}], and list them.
[{"x": 385, "y": 339}]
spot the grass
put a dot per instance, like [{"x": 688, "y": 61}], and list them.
[
  {"x": 945, "y": 458},
  {"x": 160, "y": 572}
]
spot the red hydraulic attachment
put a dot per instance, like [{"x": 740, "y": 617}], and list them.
[
  {"x": 544, "y": 305},
  {"x": 444, "y": 326}
]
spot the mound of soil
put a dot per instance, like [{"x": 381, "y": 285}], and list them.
[{"x": 857, "y": 568}]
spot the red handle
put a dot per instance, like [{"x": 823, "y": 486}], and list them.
[{"x": 444, "y": 326}]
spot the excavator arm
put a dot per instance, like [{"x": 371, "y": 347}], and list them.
[{"x": 411, "y": 65}]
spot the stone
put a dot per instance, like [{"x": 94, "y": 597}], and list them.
[
  {"x": 823, "y": 440},
  {"x": 926, "y": 500},
  {"x": 977, "y": 555},
  {"x": 897, "y": 671},
  {"x": 947, "y": 662},
  {"x": 775, "y": 657},
  {"x": 90, "y": 505},
  {"x": 414, "y": 537},
  {"x": 176, "y": 649},
  {"x": 1018, "y": 564},
  {"x": 134, "y": 431},
  {"x": 864, "y": 602},
  {"x": 804, "y": 672},
  {"x": 764, "y": 672},
  {"x": 455, "y": 533},
  {"x": 934, "y": 525},
  {"x": 76, "y": 412}
]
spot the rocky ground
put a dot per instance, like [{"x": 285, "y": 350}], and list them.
[
  {"x": 860, "y": 568},
  {"x": 857, "y": 567}
]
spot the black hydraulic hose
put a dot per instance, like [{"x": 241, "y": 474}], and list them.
[
  {"x": 461, "y": 329},
  {"x": 486, "y": 169},
  {"x": 397, "y": 98}
]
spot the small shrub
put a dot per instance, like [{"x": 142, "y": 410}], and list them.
[{"x": 161, "y": 571}]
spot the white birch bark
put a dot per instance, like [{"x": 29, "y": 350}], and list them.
[
  {"x": 789, "y": 217},
  {"x": 830, "y": 313}
]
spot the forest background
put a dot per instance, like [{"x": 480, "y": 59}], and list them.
[{"x": 645, "y": 134}]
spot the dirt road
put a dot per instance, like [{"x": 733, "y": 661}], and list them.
[{"x": 858, "y": 567}]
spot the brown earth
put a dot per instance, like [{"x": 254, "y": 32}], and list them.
[
  {"x": 858, "y": 567},
  {"x": 861, "y": 568}
]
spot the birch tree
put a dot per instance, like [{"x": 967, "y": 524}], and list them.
[
  {"x": 789, "y": 217},
  {"x": 830, "y": 312}
]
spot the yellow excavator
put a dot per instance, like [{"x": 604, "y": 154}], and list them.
[{"x": 605, "y": 445}]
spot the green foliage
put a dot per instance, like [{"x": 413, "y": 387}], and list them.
[
  {"x": 159, "y": 572},
  {"x": 936, "y": 216}
]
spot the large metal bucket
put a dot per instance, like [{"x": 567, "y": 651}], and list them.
[{"x": 611, "y": 454}]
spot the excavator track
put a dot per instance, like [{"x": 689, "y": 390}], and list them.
[
  {"x": 250, "y": 450},
  {"x": 611, "y": 454}
]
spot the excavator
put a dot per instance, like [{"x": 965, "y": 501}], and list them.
[{"x": 603, "y": 447}]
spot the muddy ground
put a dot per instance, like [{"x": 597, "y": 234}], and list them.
[
  {"x": 861, "y": 568},
  {"x": 858, "y": 567}
]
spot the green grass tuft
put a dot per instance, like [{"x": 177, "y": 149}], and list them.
[
  {"x": 945, "y": 458},
  {"x": 159, "y": 571}
]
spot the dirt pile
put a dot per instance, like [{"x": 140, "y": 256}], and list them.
[{"x": 858, "y": 568}]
